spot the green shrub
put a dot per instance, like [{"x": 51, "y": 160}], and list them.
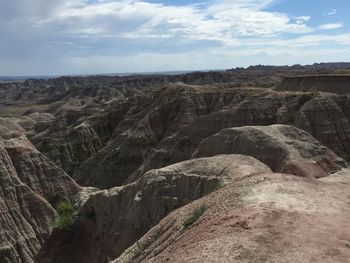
[
  {"x": 303, "y": 98},
  {"x": 138, "y": 249},
  {"x": 215, "y": 185},
  {"x": 65, "y": 211},
  {"x": 195, "y": 215}
]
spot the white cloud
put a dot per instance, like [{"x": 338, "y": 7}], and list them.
[
  {"x": 332, "y": 12},
  {"x": 222, "y": 21},
  {"x": 301, "y": 19},
  {"x": 331, "y": 26},
  {"x": 73, "y": 34}
]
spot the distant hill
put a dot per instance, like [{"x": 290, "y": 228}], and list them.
[
  {"x": 21, "y": 78},
  {"x": 315, "y": 66},
  {"x": 321, "y": 67}
]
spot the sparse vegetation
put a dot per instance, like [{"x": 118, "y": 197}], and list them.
[
  {"x": 65, "y": 211},
  {"x": 195, "y": 215},
  {"x": 215, "y": 185},
  {"x": 136, "y": 250},
  {"x": 303, "y": 98}
]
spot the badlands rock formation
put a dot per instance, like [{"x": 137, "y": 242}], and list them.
[
  {"x": 315, "y": 83},
  {"x": 232, "y": 166},
  {"x": 30, "y": 186},
  {"x": 313, "y": 113},
  {"x": 122, "y": 215},
  {"x": 283, "y": 148},
  {"x": 262, "y": 218}
]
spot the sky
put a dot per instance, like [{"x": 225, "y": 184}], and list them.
[{"x": 62, "y": 37}]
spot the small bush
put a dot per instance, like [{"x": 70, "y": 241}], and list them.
[
  {"x": 214, "y": 186},
  {"x": 137, "y": 250},
  {"x": 65, "y": 211},
  {"x": 306, "y": 97},
  {"x": 196, "y": 214}
]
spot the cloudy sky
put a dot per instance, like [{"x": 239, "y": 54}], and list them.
[{"x": 56, "y": 37}]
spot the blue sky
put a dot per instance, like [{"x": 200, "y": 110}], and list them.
[{"x": 55, "y": 37}]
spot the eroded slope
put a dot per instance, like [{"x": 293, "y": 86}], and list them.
[
  {"x": 123, "y": 214},
  {"x": 30, "y": 186},
  {"x": 262, "y": 218}
]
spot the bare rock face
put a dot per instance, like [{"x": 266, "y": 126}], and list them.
[
  {"x": 26, "y": 218},
  {"x": 242, "y": 107},
  {"x": 283, "y": 148},
  {"x": 110, "y": 221},
  {"x": 153, "y": 116},
  {"x": 70, "y": 148},
  {"x": 338, "y": 84},
  {"x": 118, "y": 131},
  {"x": 152, "y": 129},
  {"x": 30, "y": 186},
  {"x": 113, "y": 143},
  {"x": 166, "y": 127},
  {"x": 38, "y": 172},
  {"x": 326, "y": 117},
  {"x": 9, "y": 127},
  {"x": 261, "y": 218}
]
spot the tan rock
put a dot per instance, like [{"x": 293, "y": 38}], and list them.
[
  {"x": 30, "y": 186},
  {"x": 262, "y": 218},
  {"x": 283, "y": 148},
  {"x": 111, "y": 220}
]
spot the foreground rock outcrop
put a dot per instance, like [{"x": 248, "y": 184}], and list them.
[
  {"x": 261, "y": 218},
  {"x": 110, "y": 221}
]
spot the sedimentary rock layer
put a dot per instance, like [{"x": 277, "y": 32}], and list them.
[
  {"x": 30, "y": 187},
  {"x": 262, "y": 218},
  {"x": 112, "y": 220},
  {"x": 339, "y": 84}
]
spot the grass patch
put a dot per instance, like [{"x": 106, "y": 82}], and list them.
[
  {"x": 195, "y": 215},
  {"x": 137, "y": 250},
  {"x": 66, "y": 212},
  {"x": 303, "y": 98}
]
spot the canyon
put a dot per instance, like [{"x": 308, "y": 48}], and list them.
[{"x": 243, "y": 165}]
